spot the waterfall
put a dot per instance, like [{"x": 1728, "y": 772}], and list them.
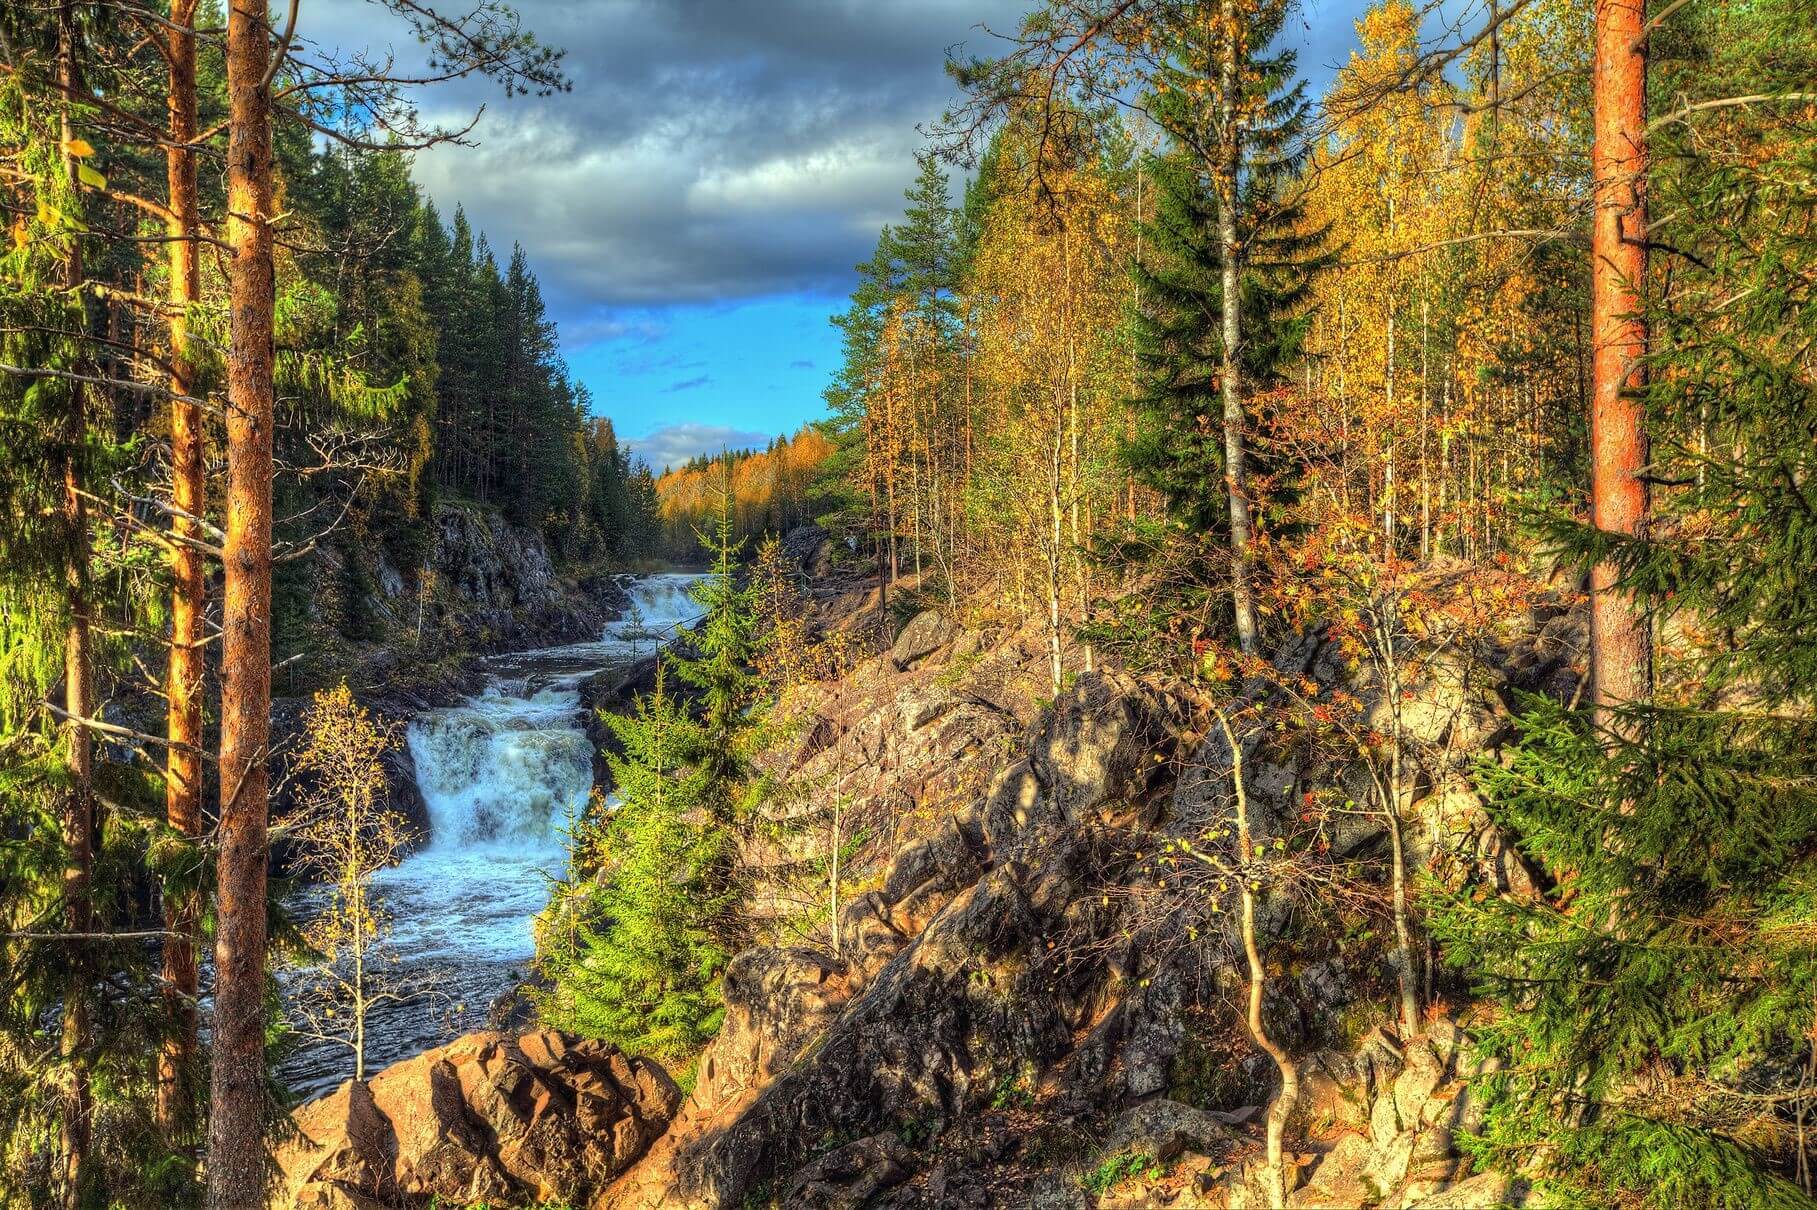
[
  {"x": 509, "y": 765},
  {"x": 502, "y": 774},
  {"x": 501, "y": 768}
]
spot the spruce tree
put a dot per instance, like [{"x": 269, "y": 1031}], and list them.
[
  {"x": 628, "y": 949},
  {"x": 1177, "y": 447},
  {"x": 638, "y": 937},
  {"x": 721, "y": 676}
]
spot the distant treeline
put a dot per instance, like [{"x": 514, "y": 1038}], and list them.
[
  {"x": 511, "y": 428},
  {"x": 771, "y": 490}
]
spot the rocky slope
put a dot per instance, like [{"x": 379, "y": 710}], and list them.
[
  {"x": 1005, "y": 1019},
  {"x": 996, "y": 1007}
]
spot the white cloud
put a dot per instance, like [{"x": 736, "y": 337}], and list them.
[{"x": 675, "y": 444}]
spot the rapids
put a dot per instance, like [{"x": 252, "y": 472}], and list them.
[{"x": 502, "y": 774}]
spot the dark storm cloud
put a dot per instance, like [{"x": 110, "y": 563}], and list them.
[{"x": 711, "y": 149}]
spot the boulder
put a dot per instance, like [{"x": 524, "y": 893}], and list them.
[
  {"x": 988, "y": 951},
  {"x": 1162, "y": 1129},
  {"x": 810, "y": 548},
  {"x": 776, "y": 1001},
  {"x": 926, "y": 633},
  {"x": 485, "y": 1118},
  {"x": 1103, "y": 745},
  {"x": 955, "y": 984},
  {"x": 1337, "y": 1179},
  {"x": 1417, "y": 1081}
]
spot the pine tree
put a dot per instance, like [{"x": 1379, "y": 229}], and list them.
[
  {"x": 236, "y": 1131},
  {"x": 61, "y": 846},
  {"x": 1655, "y": 999},
  {"x": 859, "y": 417}
]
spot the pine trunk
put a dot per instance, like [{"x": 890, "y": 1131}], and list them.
[
  {"x": 1620, "y": 647},
  {"x": 236, "y": 1144},
  {"x": 188, "y": 435}
]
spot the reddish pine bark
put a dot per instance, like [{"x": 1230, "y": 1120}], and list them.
[
  {"x": 236, "y": 1143},
  {"x": 183, "y": 770},
  {"x": 1620, "y": 645}
]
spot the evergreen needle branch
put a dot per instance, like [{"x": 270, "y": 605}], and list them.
[{"x": 124, "y": 384}]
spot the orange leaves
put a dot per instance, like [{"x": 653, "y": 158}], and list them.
[{"x": 759, "y": 481}]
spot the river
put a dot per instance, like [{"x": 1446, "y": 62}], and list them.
[{"x": 502, "y": 774}]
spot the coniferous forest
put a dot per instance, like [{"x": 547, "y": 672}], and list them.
[{"x": 1279, "y": 673}]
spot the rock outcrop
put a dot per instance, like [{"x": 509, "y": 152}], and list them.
[
  {"x": 487, "y": 1118},
  {"x": 999, "y": 1028},
  {"x": 962, "y": 971},
  {"x": 500, "y": 587}
]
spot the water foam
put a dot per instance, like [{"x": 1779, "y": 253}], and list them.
[{"x": 503, "y": 774}]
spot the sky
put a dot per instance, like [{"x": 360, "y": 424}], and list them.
[{"x": 695, "y": 206}]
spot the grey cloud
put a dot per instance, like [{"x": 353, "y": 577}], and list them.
[
  {"x": 801, "y": 365},
  {"x": 595, "y": 329},
  {"x": 710, "y": 149},
  {"x": 689, "y": 384}
]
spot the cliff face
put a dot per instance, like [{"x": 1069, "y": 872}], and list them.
[
  {"x": 480, "y": 585},
  {"x": 499, "y": 585}
]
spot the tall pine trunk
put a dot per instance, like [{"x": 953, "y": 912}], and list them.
[
  {"x": 1226, "y": 173},
  {"x": 78, "y": 687},
  {"x": 188, "y": 435},
  {"x": 1620, "y": 646},
  {"x": 236, "y": 1143}
]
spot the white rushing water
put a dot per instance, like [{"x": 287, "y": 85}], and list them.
[{"x": 502, "y": 773}]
